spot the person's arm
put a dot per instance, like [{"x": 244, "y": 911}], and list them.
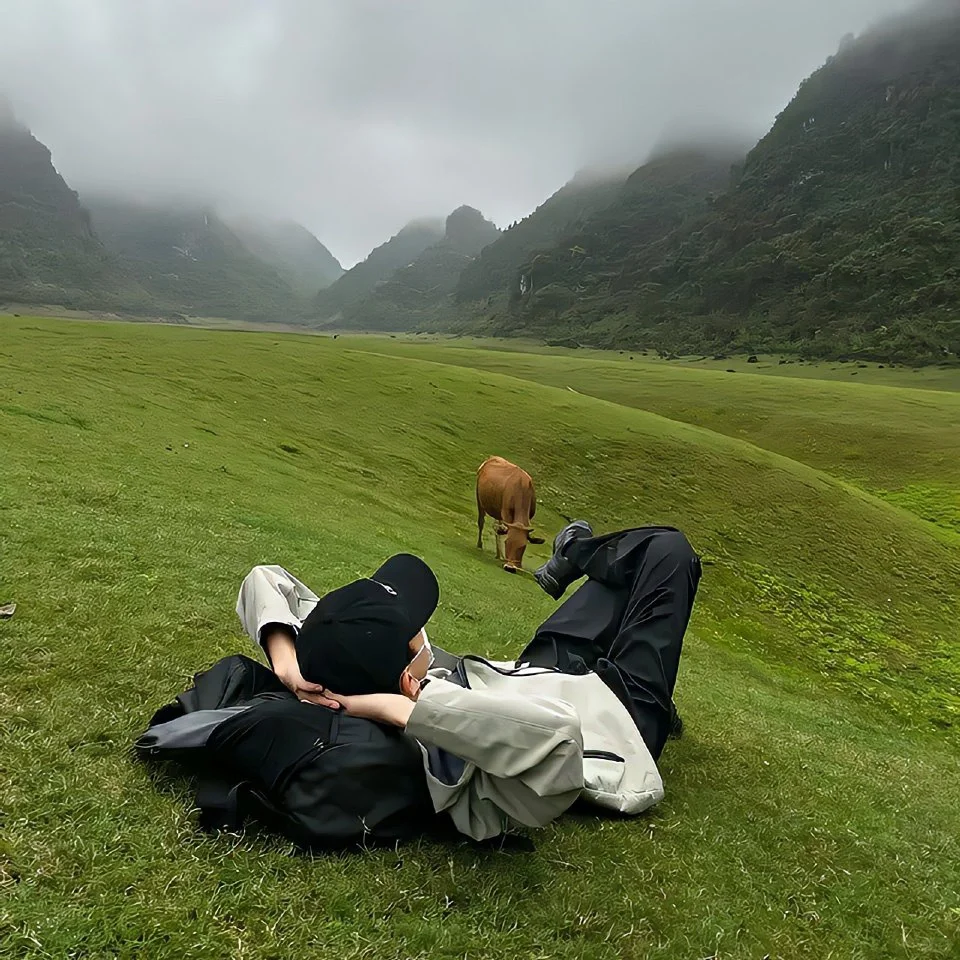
[
  {"x": 272, "y": 597},
  {"x": 270, "y": 606},
  {"x": 278, "y": 642},
  {"x": 389, "y": 708},
  {"x": 531, "y": 738}
]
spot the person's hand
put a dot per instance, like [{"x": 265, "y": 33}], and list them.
[
  {"x": 390, "y": 708},
  {"x": 283, "y": 656},
  {"x": 304, "y": 689}
]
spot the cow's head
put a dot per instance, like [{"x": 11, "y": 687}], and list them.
[{"x": 517, "y": 538}]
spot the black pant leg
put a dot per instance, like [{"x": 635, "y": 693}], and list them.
[
  {"x": 642, "y": 661},
  {"x": 615, "y": 559},
  {"x": 627, "y": 622},
  {"x": 579, "y": 632}
]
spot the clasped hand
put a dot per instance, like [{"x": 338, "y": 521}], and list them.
[{"x": 390, "y": 708}]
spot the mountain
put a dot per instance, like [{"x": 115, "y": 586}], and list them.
[
  {"x": 49, "y": 253},
  {"x": 292, "y": 250},
  {"x": 563, "y": 213},
  {"x": 401, "y": 249},
  {"x": 420, "y": 292},
  {"x": 548, "y": 289},
  {"x": 191, "y": 262},
  {"x": 840, "y": 234},
  {"x": 109, "y": 254}
]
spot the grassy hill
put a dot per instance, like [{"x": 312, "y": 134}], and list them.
[
  {"x": 839, "y": 236},
  {"x": 887, "y": 438},
  {"x": 820, "y": 685},
  {"x": 191, "y": 262},
  {"x": 361, "y": 280},
  {"x": 419, "y": 293}
]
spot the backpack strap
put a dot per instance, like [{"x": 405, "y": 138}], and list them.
[
  {"x": 225, "y": 804},
  {"x": 220, "y": 800}
]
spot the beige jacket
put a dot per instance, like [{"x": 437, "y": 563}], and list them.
[{"x": 533, "y": 741}]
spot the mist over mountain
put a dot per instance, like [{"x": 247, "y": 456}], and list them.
[
  {"x": 191, "y": 262},
  {"x": 49, "y": 252},
  {"x": 419, "y": 292},
  {"x": 356, "y": 118},
  {"x": 402, "y": 249},
  {"x": 292, "y": 249},
  {"x": 839, "y": 234}
]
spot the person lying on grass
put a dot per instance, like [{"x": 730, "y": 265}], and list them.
[{"x": 585, "y": 710}]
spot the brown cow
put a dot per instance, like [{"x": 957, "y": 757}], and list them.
[{"x": 505, "y": 492}]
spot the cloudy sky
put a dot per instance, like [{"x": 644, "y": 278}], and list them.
[{"x": 355, "y": 116}]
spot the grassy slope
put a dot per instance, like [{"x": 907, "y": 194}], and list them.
[
  {"x": 896, "y": 442},
  {"x": 810, "y": 805},
  {"x": 942, "y": 377}
]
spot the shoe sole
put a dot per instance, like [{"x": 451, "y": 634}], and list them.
[{"x": 576, "y": 525}]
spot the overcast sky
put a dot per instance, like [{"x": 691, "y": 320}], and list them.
[{"x": 355, "y": 116}]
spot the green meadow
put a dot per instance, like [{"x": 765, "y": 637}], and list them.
[{"x": 812, "y": 803}]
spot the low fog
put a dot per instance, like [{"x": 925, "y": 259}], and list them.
[{"x": 356, "y": 116}]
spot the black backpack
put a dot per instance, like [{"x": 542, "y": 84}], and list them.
[{"x": 317, "y": 776}]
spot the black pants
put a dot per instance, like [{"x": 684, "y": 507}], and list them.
[{"x": 627, "y": 622}]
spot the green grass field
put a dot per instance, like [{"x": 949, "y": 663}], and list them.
[
  {"x": 895, "y": 433},
  {"x": 812, "y": 804}
]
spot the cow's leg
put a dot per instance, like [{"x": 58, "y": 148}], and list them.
[
  {"x": 533, "y": 510},
  {"x": 480, "y": 519},
  {"x": 497, "y": 536}
]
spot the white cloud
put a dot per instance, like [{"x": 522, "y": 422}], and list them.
[{"x": 354, "y": 116}]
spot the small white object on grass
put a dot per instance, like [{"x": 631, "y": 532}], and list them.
[{"x": 7, "y": 611}]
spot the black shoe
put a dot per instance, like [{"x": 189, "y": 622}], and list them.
[{"x": 558, "y": 572}]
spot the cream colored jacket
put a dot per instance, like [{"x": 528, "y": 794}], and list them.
[{"x": 533, "y": 740}]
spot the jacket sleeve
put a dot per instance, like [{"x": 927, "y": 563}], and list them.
[
  {"x": 269, "y": 594},
  {"x": 524, "y": 754}
]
